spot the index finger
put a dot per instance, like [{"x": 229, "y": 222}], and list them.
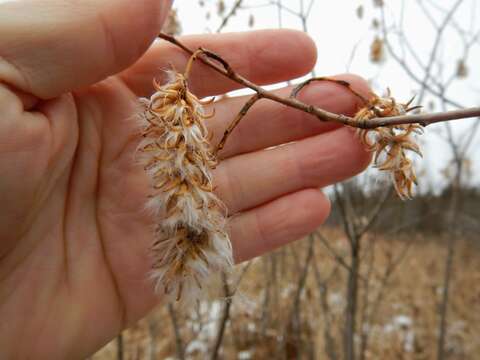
[{"x": 262, "y": 56}]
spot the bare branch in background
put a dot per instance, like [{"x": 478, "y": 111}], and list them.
[
  {"x": 433, "y": 54},
  {"x": 294, "y": 321},
  {"x": 176, "y": 330},
  {"x": 333, "y": 253},
  {"x": 457, "y": 146},
  {"x": 322, "y": 286},
  {"x": 222, "y": 323},
  {"x": 120, "y": 347},
  {"x": 228, "y": 293},
  {"x": 231, "y": 13},
  {"x": 371, "y": 313},
  {"x": 452, "y": 233}
]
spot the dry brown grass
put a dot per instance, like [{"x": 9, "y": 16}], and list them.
[{"x": 264, "y": 323}]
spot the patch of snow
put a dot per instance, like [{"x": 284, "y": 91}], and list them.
[
  {"x": 336, "y": 299},
  {"x": 196, "y": 346},
  {"x": 244, "y": 355},
  {"x": 409, "y": 341},
  {"x": 402, "y": 321}
]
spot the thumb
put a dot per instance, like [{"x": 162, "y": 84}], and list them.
[{"x": 48, "y": 47}]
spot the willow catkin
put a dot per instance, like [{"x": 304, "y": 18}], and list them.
[
  {"x": 390, "y": 144},
  {"x": 190, "y": 239}
]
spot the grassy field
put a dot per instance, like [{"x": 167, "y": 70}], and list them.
[{"x": 291, "y": 304}]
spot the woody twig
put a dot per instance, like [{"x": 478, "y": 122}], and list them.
[{"x": 218, "y": 64}]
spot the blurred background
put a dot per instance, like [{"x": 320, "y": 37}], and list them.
[{"x": 384, "y": 278}]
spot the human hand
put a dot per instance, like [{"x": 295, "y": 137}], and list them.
[{"x": 74, "y": 237}]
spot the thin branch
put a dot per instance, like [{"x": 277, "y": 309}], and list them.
[
  {"x": 407, "y": 69},
  {"x": 285, "y": 8},
  {"x": 228, "y": 293},
  {"x": 453, "y": 233},
  {"x": 237, "y": 120},
  {"x": 322, "y": 286},
  {"x": 232, "y": 12},
  {"x": 435, "y": 47},
  {"x": 349, "y": 226},
  {"x": 222, "y": 324},
  {"x": 375, "y": 212},
  {"x": 423, "y": 119},
  {"x": 294, "y": 317},
  {"x": 120, "y": 347},
  {"x": 373, "y": 310},
  {"x": 211, "y": 59},
  {"x": 179, "y": 348},
  {"x": 339, "y": 259}
]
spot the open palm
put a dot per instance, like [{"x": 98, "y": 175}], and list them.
[{"x": 74, "y": 237}]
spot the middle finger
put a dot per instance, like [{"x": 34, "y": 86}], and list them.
[{"x": 249, "y": 180}]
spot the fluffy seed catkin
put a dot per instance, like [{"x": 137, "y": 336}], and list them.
[
  {"x": 190, "y": 238},
  {"x": 390, "y": 144}
]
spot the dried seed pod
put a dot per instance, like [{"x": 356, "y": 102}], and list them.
[
  {"x": 377, "y": 51},
  {"x": 390, "y": 144},
  {"x": 190, "y": 241}
]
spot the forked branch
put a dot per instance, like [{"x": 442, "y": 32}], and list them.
[{"x": 217, "y": 63}]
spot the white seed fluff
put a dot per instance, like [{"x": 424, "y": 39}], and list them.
[{"x": 191, "y": 242}]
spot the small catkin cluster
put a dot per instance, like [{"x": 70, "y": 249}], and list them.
[
  {"x": 390, "y": 144},
  {"x": 190, "y": 238}
]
